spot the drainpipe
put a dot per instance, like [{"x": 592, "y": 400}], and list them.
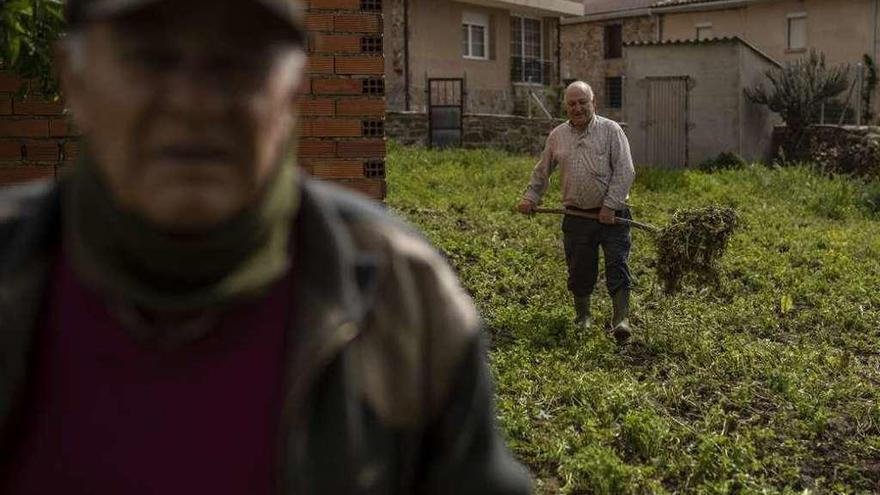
[
  {"x": 559, "y": 50},
  {"x": 406, "y": 54},
  {"x": 659, "y": 28},
  {"x": 874, "y": 48}
]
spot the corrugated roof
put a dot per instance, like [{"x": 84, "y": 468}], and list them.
[
  {"x": 707, "y": 41},
  {"x": 594, "y": 7}
]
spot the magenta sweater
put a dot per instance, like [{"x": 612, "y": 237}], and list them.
[{"x": 109, "y": 415}]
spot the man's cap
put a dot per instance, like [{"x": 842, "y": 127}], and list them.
[{"x": 77, "y": 12}]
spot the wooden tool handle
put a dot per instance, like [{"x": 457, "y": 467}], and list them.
[{"x": 595, "y": 216}]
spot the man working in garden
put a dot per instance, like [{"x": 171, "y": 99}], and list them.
[
  {"x": 594, "y": 161},
  {"x": 186, "y": 313}
]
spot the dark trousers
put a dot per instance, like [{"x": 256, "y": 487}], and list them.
[{"x": 582, "y": 238}]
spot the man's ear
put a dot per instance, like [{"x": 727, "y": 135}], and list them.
[
  {"x": 70, "y": 60},
  {"x": 299, "y": 70}
]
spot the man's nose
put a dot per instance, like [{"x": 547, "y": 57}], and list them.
[{"x": 190, "y": 88}]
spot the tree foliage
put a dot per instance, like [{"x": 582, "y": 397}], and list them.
[
  {"x": 797, "y": 90},
  {"x": 28, "y": 30}
]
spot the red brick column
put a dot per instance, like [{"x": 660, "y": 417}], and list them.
[{"x": 341, "y": 105}]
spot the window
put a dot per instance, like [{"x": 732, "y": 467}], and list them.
[
  {"x": 613, "y": 41},
  {"x": 475, "y": 35},
  {"x": 796, "y": 38},
  {"x": 371, "y": 5},
  {"x": 704, "y": 31},
  {"x": 526, "y": 50},
  {"x": 613, "y": 92}
]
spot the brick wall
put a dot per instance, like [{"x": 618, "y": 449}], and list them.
[
  {"x": 35, "y": 139},
  {"x": 341, "y": 103}
]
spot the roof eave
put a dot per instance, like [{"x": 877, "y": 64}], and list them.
[
  {"x": 707, "y": 5},
  {"x": 608, "y": 16},
  {"x": 548, "y": 8}
]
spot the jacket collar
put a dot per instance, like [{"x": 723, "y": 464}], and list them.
[{"x": 25, "y": 261}]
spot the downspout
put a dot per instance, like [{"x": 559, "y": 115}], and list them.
[
  {"x": 874, "y": 48},
  {"x": 406, "y": 54},
  {"x": 559, "y": 50},
  {"x": 660, "y": 18}
]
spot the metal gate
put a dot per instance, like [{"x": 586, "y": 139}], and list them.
[
  {"x": 445, "y": 112},
  {"x": 668, "y": 121}
]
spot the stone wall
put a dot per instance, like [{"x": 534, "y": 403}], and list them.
[
  {"x": 840, "y": 149},
  {"x": 583, "y": 55},
  {"x": 409, "y": 128},
  {"x": 507, "y": 132}
]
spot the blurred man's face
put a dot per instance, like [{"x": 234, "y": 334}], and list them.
[
  {"x": 579, "y": 105},
  {"x": 187, "y": 107}
]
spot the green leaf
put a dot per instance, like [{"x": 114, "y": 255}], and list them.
[{"x": 786, "y": 304}]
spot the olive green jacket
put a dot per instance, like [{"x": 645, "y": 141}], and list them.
[{"x": 387, "y": 391}]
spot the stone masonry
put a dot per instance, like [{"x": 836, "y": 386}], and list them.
[
  {"x": 583, "y": 55},
  {"x": 506, "y": 132}
]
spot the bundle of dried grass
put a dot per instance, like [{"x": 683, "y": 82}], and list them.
[{"x": 689, "y": 247}]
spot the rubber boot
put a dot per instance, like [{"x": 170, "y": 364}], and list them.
[
  {"x": 620, "y": 319},
  {"x": 582, "y": 310}
]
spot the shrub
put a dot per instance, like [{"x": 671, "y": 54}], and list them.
[
  {"x": 726, "y": 160},
  {"x": 797, "y": 91},
  {"x": 870, "y": 199}
]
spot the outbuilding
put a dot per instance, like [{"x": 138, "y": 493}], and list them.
[{"x": 685, "y": 101}]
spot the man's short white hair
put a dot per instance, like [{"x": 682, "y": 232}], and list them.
[{"x": 582, "y": 86}]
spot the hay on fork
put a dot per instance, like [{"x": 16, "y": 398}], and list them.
[{"x": 689, "y": 247}]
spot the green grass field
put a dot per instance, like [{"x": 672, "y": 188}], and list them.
[{"x": 768, "y": 383}]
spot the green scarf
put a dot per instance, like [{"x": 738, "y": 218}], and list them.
[{"x": 124, "y": 256}]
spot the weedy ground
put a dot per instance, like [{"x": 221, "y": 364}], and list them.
[{"x": 768, "y": 382}]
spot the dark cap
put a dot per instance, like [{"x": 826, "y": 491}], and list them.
[{"x": 77, "y": 12}]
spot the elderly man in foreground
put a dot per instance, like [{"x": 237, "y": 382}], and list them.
[
  {"x": 185, "y": 313},
  {"x": 594, "y": 161}
]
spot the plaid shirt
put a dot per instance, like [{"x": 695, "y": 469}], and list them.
[{"x": 595, "y": 165}]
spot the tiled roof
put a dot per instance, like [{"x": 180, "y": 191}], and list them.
[
  {"x": 593, "y": 7},
  {"x": 707, "y": 41},
  {"x": 685, "y": 41}
]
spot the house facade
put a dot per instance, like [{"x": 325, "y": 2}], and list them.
[
  {"x": 844, "y": 30},
  {"x": 502, "y": 51}
]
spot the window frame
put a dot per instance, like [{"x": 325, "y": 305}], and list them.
[
  {"x": 608, "y": 101},
  {"x": 522, "y": 47},
  {"x": 607, "y": 52},
  {"x": 469, "y": 20},
  {"x": 798, "y": 16}
]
